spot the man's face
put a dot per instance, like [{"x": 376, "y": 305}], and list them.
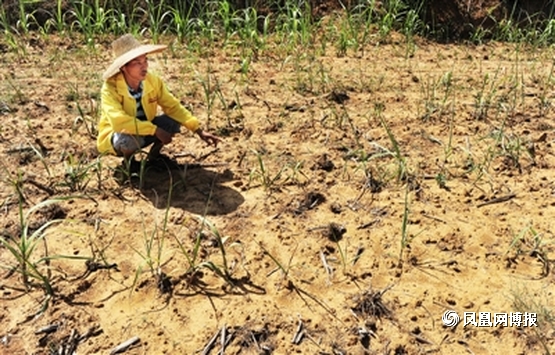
[{"x": 136, "y": 69}]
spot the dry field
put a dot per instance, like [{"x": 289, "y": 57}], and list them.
[{"x": 355, "y": 198}]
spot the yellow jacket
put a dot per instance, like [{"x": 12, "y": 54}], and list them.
[{"x": 119, "y": 110}]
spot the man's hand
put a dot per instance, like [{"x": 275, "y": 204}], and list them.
[
  {"x": 208, "y": 137},
  {"x": 164, "y": 136}
]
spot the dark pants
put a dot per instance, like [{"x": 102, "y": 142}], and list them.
[{"x": 132, "y": 143}]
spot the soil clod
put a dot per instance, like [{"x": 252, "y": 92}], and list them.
[
  {"x": 338, "y": 96},
  {"x": 364, "y": 337},
  {"x": 335, "y": 232},
  {"x": 373, "y": 185},
  {"x": 164, "y": 283},
  {"x": 324, "y": 163},
  {"x": 313, "y": 199},
  {"x": 336, "y": 208}
]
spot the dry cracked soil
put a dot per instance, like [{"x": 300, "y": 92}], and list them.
[{"x": 353, "y": 200}]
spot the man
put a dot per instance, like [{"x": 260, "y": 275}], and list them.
[{"x": 130, "y": 98}]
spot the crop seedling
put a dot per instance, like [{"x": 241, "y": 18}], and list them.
[
  {"x": 16, "y": 181},
  {"x": 410, "y": 27},
  {"x": 77, "y": 173},
  {"x": 336, "y": 232},
  {"x": 33, "y": 267},
  {"x": 295, "y": 25},
  {"x": 404, "y": 224},
  {"x": 268, "y": 180},
  {"x": 530, "y": 242},
  {"x": 18, "y": 95},
  {"x": 11, "y": 37},
  {"x": 544, "y": 98},
  {"x": 248, "y": 32},
  {"x": 157, "y": 14},
  {"x": 90, "y": 122},
  {"x": 483, "y": 99},
  {"x": 205, "y": 26},
  {"x": 152, "y": 243},
  {"x": 226, "y": 17},
  {"x": 181, "y": 20},
  {"x": 40, "y": 153},
  {"x": 401, "y": 173},
  {"x": 209, "y": 90},
  {"x": 348, "y": 35},
  {"x": 540, "y": 308},
  {"x": 84, "y": 17},
  {"x": 102, "y": 18},
  {"x": 393, "y": 15},
  {"x": 57, "y": 19},
  {"x": 155, "y": 240},
  {"x": 284, "y": 268},
  {"x": 4, "y": 21},
  {"x": 193, "y": 256},
  {"x": 195, "y": 265},
  {"x": 26, "y": 18},
  {"x": 224, "y": 271}
]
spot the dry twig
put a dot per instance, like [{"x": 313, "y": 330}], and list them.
[{"x": 126, "y": 345}]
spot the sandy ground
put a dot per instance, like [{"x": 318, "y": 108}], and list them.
[{"x": 305, "y": 231}]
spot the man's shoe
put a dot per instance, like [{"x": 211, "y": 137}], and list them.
[
  {"x": 127, "y": 170},
  {"x": 163, "y": 162},
  {"x": 133, "y": 166}
]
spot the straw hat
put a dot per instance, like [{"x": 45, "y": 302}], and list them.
[{"x": 125, "y": 49}]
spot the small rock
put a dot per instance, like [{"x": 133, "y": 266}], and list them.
[
  {"x": 4, "y": 108},
  {"x": 335, "y": 231},
  {"x": 336, "y": 208},
  {"x": 324, "y": 163},
  {"x": 338, "y": 96}
]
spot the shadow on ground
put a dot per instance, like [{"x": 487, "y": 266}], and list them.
[{"x": 193, "y": 188}]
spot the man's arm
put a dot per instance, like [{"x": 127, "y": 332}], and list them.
[
  {"x": 208, "y": 137},
  {"x": 173, "y": 108}
]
